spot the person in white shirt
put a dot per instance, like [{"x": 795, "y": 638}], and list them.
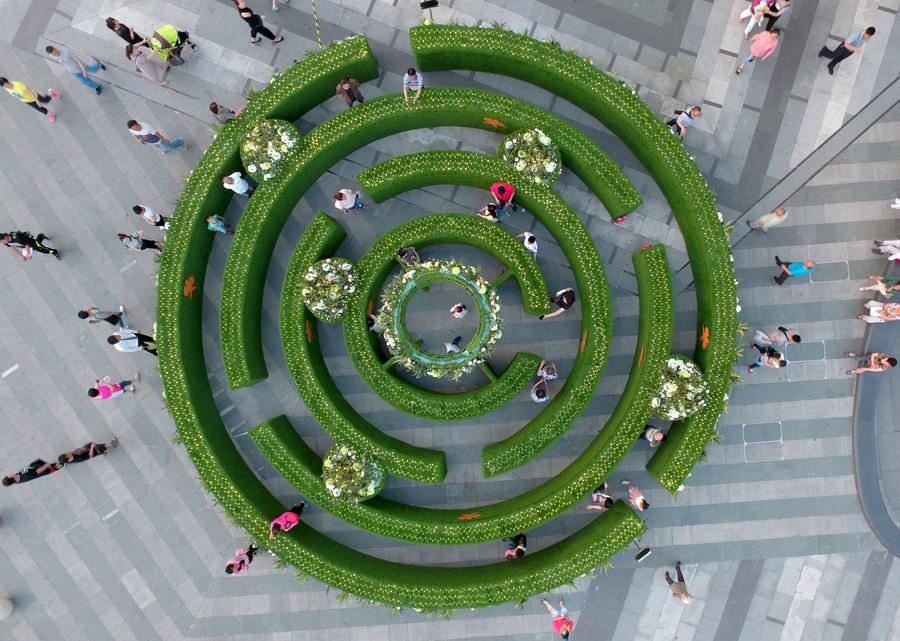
[
  {"x": 150, "y": 135},
  {"x": 128, "y": 340},
  {"x": 238, "y": 184},
  {"x": 412, "y": 82},
  {"x": 151, "y": 216},
  {"x": 888, "y": 248},
  {"x": 530, "y": 242},
  {"x": 459, "y": 311},
  {"x": 347, "y": 199}
]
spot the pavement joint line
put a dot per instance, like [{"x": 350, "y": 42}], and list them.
[
  {"x": 110, "y": 515},
  {"x": 10, "y": 370},
  {"x": 128, "y": 266}
]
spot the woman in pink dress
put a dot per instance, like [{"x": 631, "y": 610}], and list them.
[{"x": 762, "y": 45}]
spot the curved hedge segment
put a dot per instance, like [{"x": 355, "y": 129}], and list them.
[
  {"x": 404, "y": 173},
  {"x": 287, "y": 97},
  {"x": 299, "y": 336},
  {"x": 376, "y": 265},
  {"x": 302, "y": 468},
  {"x": 693, "y": 204}
]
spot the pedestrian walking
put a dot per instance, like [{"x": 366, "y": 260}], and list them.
[
  {"x": 880, "y": 312},
  {"x": 348, "y": 89},
  {"x": 768, "y": 356},
  {"x": 412, "y": 82},
  {"x": 23, "y": 245},
  {"x": 767, "y": 221},
  {"x": 561, "y": 623},
  {"x": 35, "y": 469},
  {"x": 30, "y": 97},
  {"x": 895, "y": 204},
  {"x": 125, "y": 33},
  {"x": 884, "y": 285},
  {"x": 853, "y": 43},
  {"x": 887, "y": 248},
  {"x": 762, "y": 45},
  {"x": 241, "y": 560},
  {"x": 408, "y": 255},
  {"x": 275, "y": 4},
  {"x": 871, "y": 362},
  {"x": 88, "y": 451},
  {"x": 757, "y": 10},
  {"x": 680, "y": 123},
  {"x": 776, "y": 12},
  {"x": 516, "y": 546},
  {"x": 137, "y": 242},
  {"x": 146, "y": 64},
  {"x": 601, "y": 499},
  {"x": 459, "y": 311},
  {"x": 679, "y": 588},
  {"x": 150, "y": 135},
  {"x": 547, "y": 371},
  {"x": 347, "y": 199},
  {"x": 95, "y": 315},
  {"x": 150, "y": 216},
  {"x": 540, "y": 390},
  {"x": 794, "y": 268},
  {"x": 287, "y": 520},
  {"x": 653, "y": 435},
  {"x": 75, "y": 66},
  {"x": 217, "y": 224},
  {"x": 238, "y": 184},
  {"x": 783, "y": 335},
  {"x": 530, "y": 242},
  {"x": 453, "y": 346},
  {"x": 104, "y": 388},
  {"x": 489, "y": 212},
  {"x": 128, "y": 340},
  {"x": 503, "y": 194},
  {"x": 223, "y": 114},
  {"x": 564, "y": 299},
  {"x": 636, "y": 497},
  {"x": 257, "y": 28}
]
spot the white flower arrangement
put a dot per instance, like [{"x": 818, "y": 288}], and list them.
[
  {"x": 265, "y": 147},
  {"x": 351, "y": 476},
  {"x": 533, "y": 154},
  {"x": 328, "y": 283},
  {"x": 682, "y": 391}
]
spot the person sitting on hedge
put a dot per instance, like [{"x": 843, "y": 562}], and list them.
[
  {"x": 504, "y": 193},
  {"x": 408, "y": 255},
  {"x": 565, "y": 298},
  {"x": 287, "y": 520},
  {"x": 489, "y": 212},
  {"x": 516, "y": 547},
  {"x": 600, "y": 498}
]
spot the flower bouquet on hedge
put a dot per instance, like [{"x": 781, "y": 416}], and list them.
[
  {"x": 682, "y": 390},
  {"x": 264, "y": 149},
  {"x": 531, "y": 153},
  {"x": 326, "y": 286},
  {"x": 351, "y": 476}
]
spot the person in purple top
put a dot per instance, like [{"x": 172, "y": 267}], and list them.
[{"x": 795, "y": 268}]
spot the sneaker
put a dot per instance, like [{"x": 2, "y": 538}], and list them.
[
  {"x": 830, "y": 71},
  {"x": 275, "y": 42},
  {"x": 777, "y": 282},
  {"x": 58, "y": 255},
  {"x": 748, "y": 223},
  {"x": 54, "y": 94},
  {"x": 103, "y": 66},
  {"x": 51, "y": 116},
  {"x": 98, "y": 90},
  {"x": 112, "y": 443},
  {"x": 626, "y": 482},
  {"x": 896, "y": 203},
  {"x": 749, "y": 370},
  {"x": 129, "y": 388},
  {"x": 121, "y": 310},
  {"x": 738, "y": 70},
  {"x": 778, "y": 261}
]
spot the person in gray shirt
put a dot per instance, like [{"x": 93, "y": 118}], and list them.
[{"x": 76, "y": 67}]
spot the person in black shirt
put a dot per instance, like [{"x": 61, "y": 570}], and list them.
[
  {"x": 87, "y": 451},
  {"x": 255, "y": 22},
  {"x": 23, "y": 244},
  {"x": 127, "y": 34},
  {"x": 35, "y": 469},
  {"x": 516, "y": 547},
  {"x": 565, "y": 298}
]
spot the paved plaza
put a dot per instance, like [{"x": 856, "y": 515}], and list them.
[{"x": 774, "y": 541}]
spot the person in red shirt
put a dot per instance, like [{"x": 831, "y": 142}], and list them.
[
  {"x": 287, "y": 520},
  {"x": 503, "y": 194},
  {"x": 562, "y": 624}
]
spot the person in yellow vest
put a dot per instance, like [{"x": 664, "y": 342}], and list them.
[{"x": 30, "y": 97}]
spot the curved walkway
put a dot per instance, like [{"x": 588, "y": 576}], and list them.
[{"x": 876, "y": 437}]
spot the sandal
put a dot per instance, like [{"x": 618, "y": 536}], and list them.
[{"x": 277, "y": 40}]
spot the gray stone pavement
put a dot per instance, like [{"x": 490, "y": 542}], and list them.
[{"x": 774, "y": 542}]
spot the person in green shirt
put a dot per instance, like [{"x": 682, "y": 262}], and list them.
[
  {"x": 30, "y": 97},
  {"x": 884, "y": 285}
]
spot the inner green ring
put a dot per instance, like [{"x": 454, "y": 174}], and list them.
[{"x": 423, "y": 278}]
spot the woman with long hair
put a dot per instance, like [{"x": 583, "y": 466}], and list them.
[{"x": 257, "y": 27}]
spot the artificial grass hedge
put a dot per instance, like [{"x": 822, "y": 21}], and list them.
[
  {"x": 287, "y": 97},
  {"x": 302, "y": 468},
  {"x": 303, "y": 354},
  {"x": 404, "y": 173},
  {"x": 374, "y": 267},
  {"x": 620, "y": 110},
  {"x": 273, "y": 201}
]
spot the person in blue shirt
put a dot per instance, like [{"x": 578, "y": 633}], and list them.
[
  {"x": 795, "y": 268},
  {"x": 851, "y": 44}
]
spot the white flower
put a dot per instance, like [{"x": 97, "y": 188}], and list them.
[
  {"x": 550, "y": 167},
  {"x": 251, "y": 169},
  {"x": 544, "y": 140},
  {"x": 520, "y": 165},
  {"x": 508, "y": 144}
]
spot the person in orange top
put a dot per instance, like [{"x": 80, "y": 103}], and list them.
[{"x": 562, "y": 624}]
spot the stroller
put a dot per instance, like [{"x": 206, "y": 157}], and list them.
[{"x": 168, "y": 43}]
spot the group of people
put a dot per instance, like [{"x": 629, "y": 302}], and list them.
[{"x": 39, "y": 467}]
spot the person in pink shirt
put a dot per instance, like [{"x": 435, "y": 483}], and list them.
[
  {"x": 287, "y": 520},
  {"x": 762, "y": 45},
  {"x": 104, "y": 388},
  {"x": 243, "y": 557},
  {"x": 562, "y": 624},
  {"x": 636, "y": 497}
]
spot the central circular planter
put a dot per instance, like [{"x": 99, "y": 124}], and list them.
[{"x": 407, "y": 352}]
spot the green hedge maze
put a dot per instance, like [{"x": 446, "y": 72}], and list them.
[{"x": 383, "y": 361}]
